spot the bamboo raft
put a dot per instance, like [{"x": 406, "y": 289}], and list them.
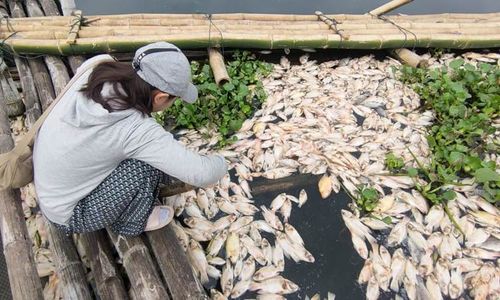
[{"x": 72, "y": 35}]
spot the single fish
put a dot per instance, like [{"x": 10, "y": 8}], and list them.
[
  {"x": 271, "y": 218},
  {"x": 302, "y": 197},
  {"x": 233, "y": 247}
]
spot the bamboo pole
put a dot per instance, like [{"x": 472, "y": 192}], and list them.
[
  {"x": 165, "y": 18},
  {"x": 3, "y": 9},
  {"x": 140, "y": 267},
  {"x": 107, "y": 278},
  {"x": 11, "y": 98},
  {"x": 67, "y": 6},
  {"x": 392, "y": 5},
  {"x": 292, "y": 28},
  {"x": 49, "y": 7},
  {"x": 21, "y": 268},
  {"x": 73, "y": 283},
  {"x": 33, "y": 8},
  {"x": 57, "y": 70},
  {"x": 410, "y": 58},
  {"x": 31, "y": 100},
  {"x": 218, "y": 66},
  {"x": 57, "y": 35},
  {"x": 180, "y": 279},
  {"x": 30, "y": 96},
  {"x": 255, "y": 40},
  {"x": 402, "y": 54},
  {"x": 75, "y": 27}
]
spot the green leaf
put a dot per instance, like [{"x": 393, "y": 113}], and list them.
[
  {"x": 485, "y": 175},
  {"x": 457, "y": 63},
  {"x": 387, "y": 220},
  {"x": 412, "y": 172},
  {"x": 449, "y": 195},
  {"x": 456, "y": 158}
]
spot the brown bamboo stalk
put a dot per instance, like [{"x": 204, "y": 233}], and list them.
[
  {"x": 410, "y": 58},
  {"x": 262, "y": 18},
  {"x": 49, "y": 7},
  {"x": 389, "y": 6},
  {"x": 43, "y": 83},
  {"x": 218, "y": 66},
  {"x": 56, "y": 68},
  {"x": 73, "y": 283},
  {"x": 31, "y": 99},
  {"x": 30, "y": 96},
  {"x": 10, "y": 97},
  {"x": 140, "y": 267},
  {"x": 107, "y": 278},
  {"x": 33, "y": 8},
  {"x": 75, "y": 27},
  {"x": 75, "y": 61},
  {"x": 3, "y": 9},
  {"x": 58, "y": 73},
  {"x": 51, "y": 35},
  {"x": 180, "y": 279},
  {"x": 67, "y": 7},
  {"x": 21, "y": 268},
  {"x": 23, "y": 30}
]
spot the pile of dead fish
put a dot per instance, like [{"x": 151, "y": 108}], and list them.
[{"x": 339, "y": 119}]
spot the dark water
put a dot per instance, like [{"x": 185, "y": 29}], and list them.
[
  {"x": 320, "y": 224},
  {"x": 95, "y": 7}
]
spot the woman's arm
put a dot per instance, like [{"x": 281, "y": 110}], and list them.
[{"x": 149, "y": 142}]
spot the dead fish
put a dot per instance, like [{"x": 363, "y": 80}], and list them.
[
  {"x": 372, "y": 290},
  {"x": 271, "y": 218},
  {"x": 456, "y": 286},
  {"x": 275, "y": 285},
  {"x": 398, "y": 263},
  {"x": 198, "y": 260},
  {"x": 248, "y": 269},
  {"x": 278, "y": 257},
  {"x": 216, "y": 295},
  {"x": 366, "y": 272},
  {"x": 233, "y": 247},
  {"x": 227, "y": 278},
  {"x": 433, "y": 287},
  {"x": 266, "y": 273},
  {"x": 216, "y": 243},
  {"x": 325, "y": 186},
  {"x": 398, "y": 233},
  {"x": 278, "y": 202},
  {"x": 223, "y": 222},
  {"x": 286, "y": 210},
  {"x": 302, "y": 197},
  {"x": 240, "y": 288}
]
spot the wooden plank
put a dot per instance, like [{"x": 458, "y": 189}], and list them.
[
  {"x": 73, "y": 282},
  {"x": 174, "y": 265},
  {"x": 140, "y": 268},
  {"x": 108, "y": 280}
]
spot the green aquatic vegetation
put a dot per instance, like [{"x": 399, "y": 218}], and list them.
[
  {"x": 465, "y": 99},
  {"x": 225, "y": 107},
  {"x": 394, "y": 163}
]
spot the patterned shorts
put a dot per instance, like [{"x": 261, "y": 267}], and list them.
[{"x": 122, "y": 202}]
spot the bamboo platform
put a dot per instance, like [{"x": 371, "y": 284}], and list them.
[{"x": 72, "y": 35}]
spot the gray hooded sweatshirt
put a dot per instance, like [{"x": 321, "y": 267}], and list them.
[{"x": 81, "y": 143}]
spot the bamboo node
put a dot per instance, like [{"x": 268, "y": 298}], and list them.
[
  {"x": 75, "y": 24},
  {"x": 332, "y": 24}
]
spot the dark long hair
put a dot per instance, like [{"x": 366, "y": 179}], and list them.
[{"x": 138, "y": 93}]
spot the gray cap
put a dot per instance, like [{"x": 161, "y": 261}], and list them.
[{"x": 165, "y": 67}]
